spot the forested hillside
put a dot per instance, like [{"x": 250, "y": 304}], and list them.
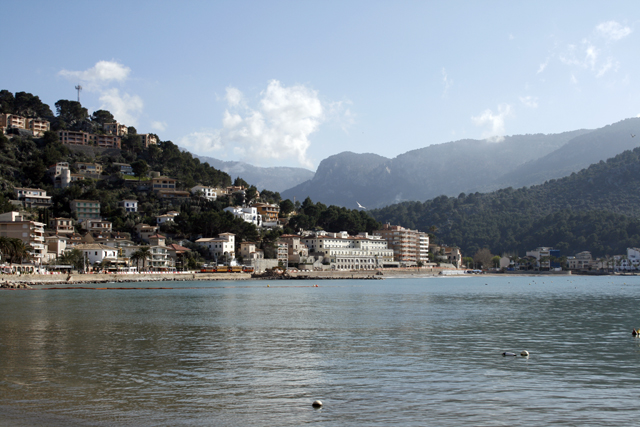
[{"x": 595, "y": 209}]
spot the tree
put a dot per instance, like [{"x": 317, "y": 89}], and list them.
[
  {"x": 239, "y": 182},
  {"x": 483, "y": 256},
  {"x": 286, "y": 207},
  {"x": 6, "y": 102},
  {"x": 495, "y": 261},
  {"x": 251, "y": 194},
  {"x": 74, "y": 257},
  {"x": 102, "y": 116},
  {"x": 28, "y": 105},
  {"x": 71, "y": 112},
  {"x": 140, "y": 168}
]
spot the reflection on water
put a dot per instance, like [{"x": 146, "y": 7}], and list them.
[{"x": 377, "y": 353}]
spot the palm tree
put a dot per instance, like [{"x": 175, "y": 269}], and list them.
[
  {"x": 7, "y": 246},
  {"x": 144, "y": 253}
]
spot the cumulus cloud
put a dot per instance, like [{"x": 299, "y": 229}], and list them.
[
  {"x": 612, "y": 30},
  {"x": 104, "y": 72},
  {"x": 279, "y": 127},
  {"x": 124, "y": 107},
  {"x": 446, "y": 81},
  {"x": 495, "y": 121},
  {"x": 529, "y": 101},
  {"x": 159, "y": 126}
]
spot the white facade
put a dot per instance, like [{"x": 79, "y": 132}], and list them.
[
  {"x": 33, "y": 197},
  {"x": 248, "y": 214},
  {"x": 219, "y": 246},
  {"x": 207, "y": 192},
  {"x": 129, "y": 205},
  {"x": 95, "y": 253},
  {"x": 362, "y": 252}
]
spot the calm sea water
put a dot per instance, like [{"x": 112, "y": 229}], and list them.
[{"x": 391, "y": 352}]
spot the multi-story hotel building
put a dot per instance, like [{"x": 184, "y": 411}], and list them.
[
  {"x": 14, "y": 225},
  {"x": 86, "y": 209},
  {"x": 116, "y": 129},
  {"x": 148, "y": 139},
  {"x": 344, "y": 252},
  {"x": 33, "y": 197},
  {"x": 409, "y": 246},
  {"x": 62, "y": 225}
]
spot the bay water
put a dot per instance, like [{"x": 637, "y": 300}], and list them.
[{"x": 420, "y": 351}]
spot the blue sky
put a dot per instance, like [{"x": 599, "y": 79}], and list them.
[{"x": 289, "y": 83}]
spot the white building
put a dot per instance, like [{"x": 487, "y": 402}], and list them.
[
  {"x": 33, "y": 197},
  {"x": 129, "y": 205},
  {"x": 169, "y": 216},
  {"x": 95, "y": 253},
  {"x": 208, "y": 193},
  {"x": 361, "y": 252},
  {"x": 220, "y": 246},
  {"x": 247, "y": 214}
]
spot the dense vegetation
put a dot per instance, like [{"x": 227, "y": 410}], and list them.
[
  {"x": 595, "y": 209},
  {"x": 26, "y": 160}
]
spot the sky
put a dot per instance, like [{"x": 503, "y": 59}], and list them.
[{"x": 289, "y": 83}]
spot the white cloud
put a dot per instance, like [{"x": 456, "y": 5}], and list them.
[
  {"x": 613, "y": 30},
  {"x": 124, "y": 107},
  {"x": 102, "y": 73},
  {"x": 529, "y": 101},
  {"x": 159, "y": 126},
  {"x": 234, "y": 97},
  {"x": 574, "y": 80},
  {"x": 446, "y": 81},
  {"x": 495, "y": 122},
  {"x": 279, "y": 127},
  {"x": 543, "y": 66}
]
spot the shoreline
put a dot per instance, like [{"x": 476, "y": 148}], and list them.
[{"x": 27, "y": 281}]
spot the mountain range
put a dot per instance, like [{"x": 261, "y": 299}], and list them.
[
  {"x": 462, "y": 166},
  {"x": 270, "y": 178}
]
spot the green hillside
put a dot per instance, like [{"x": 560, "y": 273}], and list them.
[{"x": 595, "y": 209}]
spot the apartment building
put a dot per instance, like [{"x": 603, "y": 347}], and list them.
[
  {"x": 148, "y": 139},
  {"x": 116, "y": 129},
  {"x": 250, "y": 252},
  {"x": 85, "y": 209},
  {"x": 92, "y": 169},
  {"x": 105, "y": 141},
  {"x": 62, "y": 225},
  {"x": 73, "y": 137},
  {"x": 14, "y": 225},
  {"x": 268, "y": 212},
  {"x": 405, "y": 243},
  {"x": 225, "y": 243},
  {"x": 145, "y": 230},
  {"x": 97, "y": 226},
  {"x": 33, "y": 197},
  {"x": 208, "y": 193},
  {"x": 39, "y": 127},
  {"x": 163, "y": 183},
  {"x": 247, "y": 214}
]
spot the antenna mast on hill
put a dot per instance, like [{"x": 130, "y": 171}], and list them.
[{"x": 78, "y": 88}]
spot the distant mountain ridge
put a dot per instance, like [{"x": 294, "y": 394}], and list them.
[
  {"x": 461, "y": 166},
  {"x": 596, "y": 209},
  {"x": 269, "y": 178}
]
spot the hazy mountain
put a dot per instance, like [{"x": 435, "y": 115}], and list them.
[
  {"x": 595, "y": 209},
  {"x": 272, "y": 178},
  {"x": 462, "y": 166}
]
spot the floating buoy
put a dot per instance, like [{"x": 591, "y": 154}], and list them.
[
  {"x": 524, "y": 353},
  {"x": 634, "y": 333},
  {"x": 317, "y": 404},
  {"x": 508, "y": 353},
  {"x": 268, "y": 286}
]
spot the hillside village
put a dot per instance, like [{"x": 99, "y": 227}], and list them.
[{"x": 108, "y": 203}]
